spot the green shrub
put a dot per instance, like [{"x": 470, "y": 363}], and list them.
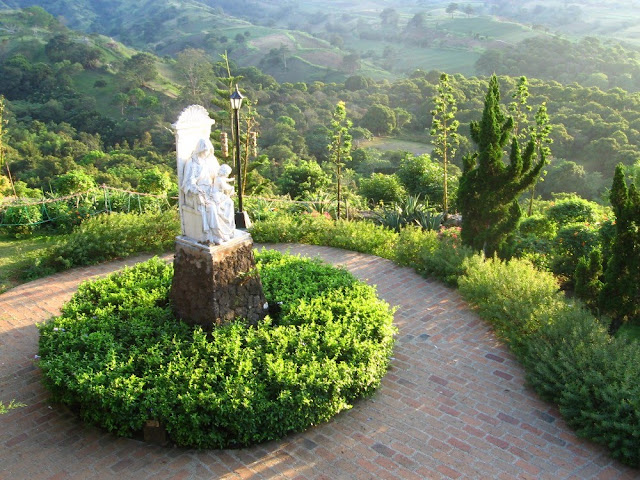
[
  {"x": 592, "y": 377},
  {"x": 118, "y": 354},
  {"x": 360, "y": 236},
  {"x": 513, "y": 295},
  {"x": 21, "y": 220},
  {"x": 574, "y": 210},
  {"x": 539, "y": 226},
  {"x": 381, "y": 188},
  {"x": 105, "y": 237},
  {"x": 573, "y": 242},
  {"x": 447, "y": 260},
  {"x": 289, "y": 228},
  {"x": 415, "y": 243},
  {"x": 317, "y": 229}
]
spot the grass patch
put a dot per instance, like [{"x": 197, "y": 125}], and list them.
[
  {"x": 386, "y": 144},
  {"x": 17, "y": 255}
]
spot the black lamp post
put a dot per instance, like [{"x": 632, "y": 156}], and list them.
[{"x": 242, "y": 219}]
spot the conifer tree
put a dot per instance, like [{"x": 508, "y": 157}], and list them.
[
  {"x": 340, "y": 146},
  {"x": 489, "y": 188},
  {"x": 444, "y": 130},
  {"x": 620, "y": 295}
]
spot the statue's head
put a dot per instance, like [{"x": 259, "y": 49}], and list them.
[
  {"x": 204, "y": 147},
  {"x": 225, "y": 170}
]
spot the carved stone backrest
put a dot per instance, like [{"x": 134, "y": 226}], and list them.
[{"x": 193, "y": 124}]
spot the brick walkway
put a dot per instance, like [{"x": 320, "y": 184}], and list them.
[{"x": 453, "y": 405}]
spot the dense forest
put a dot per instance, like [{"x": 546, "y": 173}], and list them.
[{"x": 91, "y": 105}]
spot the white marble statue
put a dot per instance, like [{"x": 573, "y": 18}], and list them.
[
  {"x": 206, "y": 208},
  {"x": 206, "y": 187}
]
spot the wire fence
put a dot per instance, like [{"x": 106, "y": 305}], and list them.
[
  {"x": 26, "y": 212},
  {"x": 67, "y": 211}
]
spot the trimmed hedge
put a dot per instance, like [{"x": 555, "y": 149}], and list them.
[{"x": 119, "y": 356}]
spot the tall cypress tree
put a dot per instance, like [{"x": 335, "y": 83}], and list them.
[
  {"x": 489, "y": 187},
  {"x": 620, "y": 295}
]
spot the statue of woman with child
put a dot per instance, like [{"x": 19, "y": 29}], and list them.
[{"x": 207, "y": 186}]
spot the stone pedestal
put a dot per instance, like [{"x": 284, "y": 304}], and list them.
[{"x": 215, "y": 284}]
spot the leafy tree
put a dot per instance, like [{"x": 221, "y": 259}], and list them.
[
  {"x": 75, "y": 181},
  {"x": 303, "y": 179},
  {"x": 423, "y": 177},
  {"x": 389, "y": 17},
  {"x": 620, "y": 295},
  {"x": 444, "y": 130},
  {"x": 417, "y": 21},
  {"x": 140, "y": 69},
  {"x": 452, "y": 8},
  {"x": 489, "y": 188},
  {"x": 155, "y": 181},
  {"x": 194, "y": 67},
  {"x": 340, "y": 146},
  {"x": 381, "y": 188},
  {"x": 3, "y": 159},
  {"x": 519, "y": 108},
  {"x": 379, "y": 119}
]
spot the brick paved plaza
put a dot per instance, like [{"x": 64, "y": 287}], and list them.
[{"x": 453, "y": 405}]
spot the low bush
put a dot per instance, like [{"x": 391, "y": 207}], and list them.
[
  {"x": 447, "y": 260},
  {"x": 574, "y": 209},
  {"x": 106, "y": 237},
  {"x": 592, "y": 377},
  {"x": 513, "y": 295},
  {"x": 317, "y": 229},
  {"x": 573, "y": 242},
  {"x": 119, "y": 356}
]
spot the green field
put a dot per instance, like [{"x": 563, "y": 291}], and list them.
[{"x": 386, "y": 144}]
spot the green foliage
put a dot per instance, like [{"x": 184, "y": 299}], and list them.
[
  {"x": 379, "y": 119},
  {"x": 444, "y": 130},
  {"x": 538, "y": 225},
  {"x": 415, "y": 243},
  {"x": 573, "y": 210},
  {"x": 302, "y": 179},
  {"x": 409, "y": 211},
  {"x": 447, "y": 260},
  {"x": 588, "y": 279},
  {"x": 72, "y": 182},
  {"x": 424, "y": 177},
  {"x": 620, "y": 295},
  {"x": 106, "y": 237},
  {"x": 489, "y": 188},
  {"x": 573, "y": 242},
  {"x": 592, "y": 377},
  {"x": 12, "y": 405},
  {"x": 21, "y": 220},
  {"x": 513, "y": 295},
  {"x": 118, "y": 353},
  {"x": 291, "y": 228},
  {"x": 381, "y": 188},
  {"x": 340, "y": 146}
]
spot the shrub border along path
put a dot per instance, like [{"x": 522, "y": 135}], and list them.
[{"x": 453, "y": 405}]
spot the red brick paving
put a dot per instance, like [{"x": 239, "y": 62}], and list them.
[{"x": 453, "y": 405}]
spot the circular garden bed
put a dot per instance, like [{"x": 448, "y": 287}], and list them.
[{"x": 118, "y": 355}]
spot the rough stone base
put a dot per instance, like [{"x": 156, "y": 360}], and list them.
[{"x": 215, "y": 284}]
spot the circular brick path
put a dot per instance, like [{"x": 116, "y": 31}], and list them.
[{"x": 453, "y": 405}]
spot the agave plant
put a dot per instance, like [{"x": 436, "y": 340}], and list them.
[{"x": 411, "y": 211}]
